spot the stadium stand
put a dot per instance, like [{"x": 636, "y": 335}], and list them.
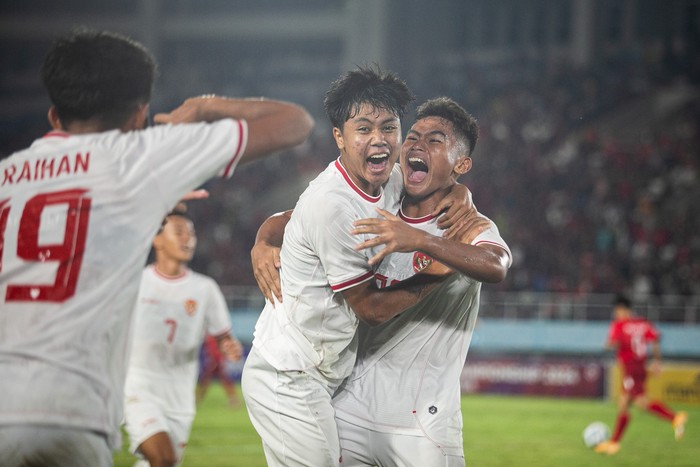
[{"x": 587, "y": 160}]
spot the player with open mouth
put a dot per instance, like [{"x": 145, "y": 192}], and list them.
[
  {"x": 377, "y": 133},
  {"x": 422, "y": 158},
  {"x": 417, "y": 169}
]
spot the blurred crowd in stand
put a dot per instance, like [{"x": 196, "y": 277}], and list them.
[
  {"x": 591, "y": 174},
  {"x": 588, "y": 203}
]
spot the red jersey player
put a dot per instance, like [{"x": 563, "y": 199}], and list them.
[
  {"x": 629, "y": 336},
  {"x": 213, "y": 364}
]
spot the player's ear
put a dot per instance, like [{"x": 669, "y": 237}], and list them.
[
  {"x": 463, "y": 165},
  {"x": 138, "y": 120},
  {"x": 158, "y": 241},
  {"x": 53, "y": 119},
  {"x": 338, "y": 136}
]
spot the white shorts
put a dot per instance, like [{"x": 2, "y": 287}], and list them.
[
  {"x": 360, "y": 446},
  {"x": 292, "y": 413},
  {"x": 52, "y": 445},
  {"x": 144, "y": 419}
]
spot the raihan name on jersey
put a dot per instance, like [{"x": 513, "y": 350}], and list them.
[{"x": 41, "y": 169}]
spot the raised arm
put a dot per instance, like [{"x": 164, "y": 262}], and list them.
[
  {"x": 369, "y": 303},
  {"x": 272, "y": 125},
  {"x": 265, "y": 254},
  {"x": 485, "y": 262},
  {"x": 375, "y": 306}
]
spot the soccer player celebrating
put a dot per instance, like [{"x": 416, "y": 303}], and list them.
[
  {"x": 175, "y": 309},
  {"x": 628, "y": 336},
  {"x": 401, "y": 404},
  {"x": 305, "y": 346},
  {"x": 78, "y": 212}
]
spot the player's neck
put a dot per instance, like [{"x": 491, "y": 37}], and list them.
[
  {"x": 416, "y": 206},
  {"x": 80, "y": 127},
  {"x": 170, "y": 267}
]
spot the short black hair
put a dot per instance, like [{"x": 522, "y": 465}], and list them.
[
  {"x": 622, "y": 300},
  {"x": 464, "y": 124},
  {"x": 365, "y": 85},
  {"x": 98, "y": 75},
  {"x": 180, "y": 210}
]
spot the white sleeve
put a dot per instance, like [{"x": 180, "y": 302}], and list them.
[
  {"x": 329, "y": 228},
  {"x": 217, "y": 312},
  {"x": 492, "y": 236},
  {"x": 177, "y": 158}
]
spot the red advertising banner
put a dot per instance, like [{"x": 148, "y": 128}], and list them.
[{"x": 527, "y": 376}]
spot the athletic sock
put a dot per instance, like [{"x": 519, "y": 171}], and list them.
[
  {"x": 661, "y": 410},
  {"x": 622, "y": 419}
]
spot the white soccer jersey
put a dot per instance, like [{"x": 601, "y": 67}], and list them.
[
  {"x": 170, "y": 321},
  {"x": 314, "y": 328},
  {"x": 77, "y": 217},
  {"x": 406, "y": 378}
]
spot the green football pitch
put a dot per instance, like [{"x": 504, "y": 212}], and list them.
[{"x": 498, "y": 432}]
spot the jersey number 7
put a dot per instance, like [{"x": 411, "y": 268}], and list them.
[{"x": 68, "y": 255}]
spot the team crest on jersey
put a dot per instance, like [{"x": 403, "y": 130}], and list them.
[
  {"x": 190, "y": 306},
  {"x": 421, "y": 261}
]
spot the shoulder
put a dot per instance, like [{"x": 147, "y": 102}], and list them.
[
  {"x": 154, "y": 136},
  {"x": 148, "y": 273},
  {"x": 325, "y": 198},
  {"x": 618, "y": 327},
  {"x": 396, "y": 175},
  {"x": 394, "y": 186},
  {"x": 202, "y": 278},
  {"x": 490, "y": 235}
]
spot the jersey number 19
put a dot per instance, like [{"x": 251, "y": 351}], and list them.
[{"x": 68, "y": 254}]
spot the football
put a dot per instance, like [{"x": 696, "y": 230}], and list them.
[{"x": 595, "y": 433}]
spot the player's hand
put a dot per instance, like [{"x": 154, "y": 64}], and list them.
[
  {"x": 232, "y": 349},
  {"x": 459, "y": 205},
  {"x": 195, "y": 194},
  {"x": 265, "y": 259},
  {"x": 470, "y": 228},
  {"x": 390, "y": 231},
  {"x": 192, "y": 110}
]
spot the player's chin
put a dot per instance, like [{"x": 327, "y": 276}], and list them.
[
  {"x": 415, "y": 189},
  {"x": 187, "y": 257},
  {"x": 377, "y": 179}
]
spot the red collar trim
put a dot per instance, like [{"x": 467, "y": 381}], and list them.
[
  {"x": 185, "y": 273},
  {"x": 415, "y": 220},
  {"x": 346, "y": 176}
]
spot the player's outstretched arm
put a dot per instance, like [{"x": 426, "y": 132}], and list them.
[
  {"x": 485, "y": 263},
  {"x": 272, "y": 125},
  {"x": 265, "y": 254},
  {"x": 375, "y": 306}
]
